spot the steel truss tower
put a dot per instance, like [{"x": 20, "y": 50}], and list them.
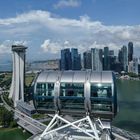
[
  {"x": 17, "y": 86},
  {"x": 82, "y": 129}
]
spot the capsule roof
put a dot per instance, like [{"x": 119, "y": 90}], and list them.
[{"x": 75, "y": 77}]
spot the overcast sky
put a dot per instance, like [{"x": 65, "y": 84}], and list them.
[{"x": 46, "y": 26}]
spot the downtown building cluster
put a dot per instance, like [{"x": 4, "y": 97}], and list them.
[{"x": 101, "y": 59}]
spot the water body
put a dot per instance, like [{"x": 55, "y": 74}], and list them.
[
  {"x": 5, "y": 67},
  {"x": 128, "y": 116}
]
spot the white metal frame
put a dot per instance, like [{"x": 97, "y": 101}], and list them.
[{"x": 91, "y": 129}]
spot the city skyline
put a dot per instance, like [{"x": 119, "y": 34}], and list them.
[{"x": 46, "y": 27}]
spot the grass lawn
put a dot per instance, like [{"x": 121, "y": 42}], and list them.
[
  {"x": 13, "y": 134},
  {"x": 29, "y": 78}
]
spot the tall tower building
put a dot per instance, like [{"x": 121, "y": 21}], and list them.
[
  {"x": 87, "y": 59},
  {"x": 95, "y": 60},
  {"x": 133, "y": 66},
  {"x": 18, "y": 77},
  {"x": 106, "y": 58},
  {"x": 120, "y": 56},
  {"x": 130, "y": 51},
  {"x": 76, "y": 59},
  {"x": 66, "y": 62},
  {"x": 124, "y": 58}
]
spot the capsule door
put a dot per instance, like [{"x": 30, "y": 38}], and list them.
[
  {"x": 44, "y": 97},
  {"x": 72, "y": 98}
]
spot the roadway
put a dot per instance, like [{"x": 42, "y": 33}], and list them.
[{"x": 26, "y": 122}]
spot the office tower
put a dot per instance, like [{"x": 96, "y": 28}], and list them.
[
  {"x": 106, "y": 59},
  {"x": 138, "y": 68},
  {"x": 18, "y": 77},
  {"x": 76, "y": 59},
  {"x": 66, "y": 62},
  {"x": 124, "y": 58},
  {"x": 133, "y": 66},
  {"x": 111, "y": 52},
  {"x": 120, "y": 56},
  {"x": 79, "y": 65},
  {"x": 95, "y": 60},
  {"x": 70, "y": 60},
  {"x": 87, "y": 59},
  {"x": 101, "y": 56},
  {"x": 130, "y": 51}
]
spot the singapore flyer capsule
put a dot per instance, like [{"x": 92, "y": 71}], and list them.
[{"x": 76, "y": 93}]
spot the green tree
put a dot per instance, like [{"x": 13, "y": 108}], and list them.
[{"x": 6, "y": 117}]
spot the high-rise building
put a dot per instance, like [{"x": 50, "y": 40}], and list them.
[
  {"x": 66, "y": 62},
  {"x": 75, "y": 59},
  {"x": 79, "y": 65},
  {"x": 120, "y": 56},
  {"x": 87, "y": 60},
  {"x": 18, "y": 77},
  {"x": 101, "y": 56},
  {"x": 70, "y": 60},
  {"x": 106, "y": 59},
  {"x": 111, "y": 52},
  {"x": 130, "y": 51},
  {"x": 133, "y": 66},
  {"x": 96, "y": 60},
  {"x": 124, "y": 58}
]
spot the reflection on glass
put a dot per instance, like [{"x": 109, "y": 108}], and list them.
[
  {"x": 45, "y": 89},
  {"x": 101, "y": 97},
  {"x": 104, "y": 90},
  {"x": 72, "y": 96},
  {"x": 44, "y": 95}
]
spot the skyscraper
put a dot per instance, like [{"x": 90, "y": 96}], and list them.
[
  {"x": 70, "y": 60},
  {"x": 106, "y": 58},
  {"x": 101, "y": 56},
  {"x": 76, "y": 59},
  {"x": 124, "y": 58},
  {"x": 133, "y": 66},
  {"x": 120, "y": 56},
  {"x": 111, "y": 52},
  {"x": 87, "y": 59},
  {"x": 66, "y": 62},
  {"x": 130, "y": 51},
  {"x": 96, "y": 60}
]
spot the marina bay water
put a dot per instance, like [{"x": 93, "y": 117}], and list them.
[{"x": 128, "y": 116}]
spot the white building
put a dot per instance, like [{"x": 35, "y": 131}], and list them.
[
  {"x": 17, "y": 86},
  {"x": 133, "y": 66},
  {"x": 95, "y": 60}
]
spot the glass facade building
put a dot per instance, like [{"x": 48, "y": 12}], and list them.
[
  {"x": 130, "y": 51},
  {"x": 106, "y": 59},
  {"x": 70, "y": 59},
  {"x": 76, "y": 93}
]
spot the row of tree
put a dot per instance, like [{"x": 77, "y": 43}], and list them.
[{"x": 6, "y": 118}]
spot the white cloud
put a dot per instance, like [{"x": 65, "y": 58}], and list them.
[
  {"x": 51, "y": 47},
  {"x": 20, "y": 42},
  {"x": 67, "y": 3},
  {"x": 5, "y": 47},
  {"x": 64, "y": 32}
]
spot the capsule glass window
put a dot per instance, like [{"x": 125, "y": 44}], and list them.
[
  {"x": 72, "y": 89},
  {"x": 45, "y": 89},
  {"x": 101, "y": 90}
]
